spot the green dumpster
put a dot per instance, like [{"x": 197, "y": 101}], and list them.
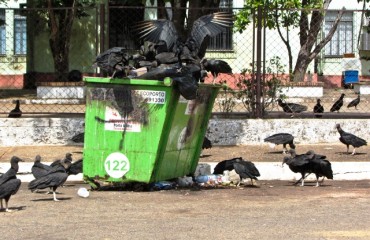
[{"x": 142, "y": 130}]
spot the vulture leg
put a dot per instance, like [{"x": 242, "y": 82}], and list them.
[
  {"x": 1, "y": 203},
  {"x": 347, "y": 149},
  {"x": 354, "y": 151},
  {"x": 54, "y": 194},
  {"x": 317, "y": 181},
  {"x": 284, "y": 148},
  {"x": 6, "y": 206}
]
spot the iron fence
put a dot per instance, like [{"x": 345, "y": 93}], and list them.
[{"x": 263, "y": 62}]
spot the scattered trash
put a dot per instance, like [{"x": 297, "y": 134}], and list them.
[
  {"x": 185, "y": 181},
  {"x": 213, "y": 179},
  {"x": 163, "y": 185},
  {"x": 202, "y": 169},
  {"x": 83, "y": 192}
]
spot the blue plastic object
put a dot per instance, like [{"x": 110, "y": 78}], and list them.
[{"x": 350, "y": 76}]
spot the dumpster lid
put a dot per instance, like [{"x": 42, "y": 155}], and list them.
[{"x": 166, "y": 82}]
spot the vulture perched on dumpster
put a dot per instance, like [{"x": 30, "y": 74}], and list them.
[
  {"x": 114, "y": 61},
  {"x": 195, "y": 44},
  {"x": 9, "y": 184}
]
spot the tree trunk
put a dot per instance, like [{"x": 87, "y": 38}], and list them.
[
  {"x": 61, "y": 22},
  {"x": 308, "y": 38}
]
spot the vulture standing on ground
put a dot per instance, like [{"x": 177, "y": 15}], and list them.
[
  {"x": 281, "y": 138},
  {"x": 291, "y": 107},
  {"x": 76, "y": 167},
  {"x": 298, "y": 164},
  {"x": 78, "y": 138},
  {"x": 225, "y": 165},
  {"x": 9, "y": 184},
  {"x": 245, "y": 169},
  {"x": 350, "y": 139},
  {"x": 68, "y": 158},
  {"x": 16, "y": 112},
  {"x": 354, "y": 102},
  {"x": 39, "y": 169},
  {"x": 338, "y": 104},
  {"x": 320, "y": 166},
  {"x": 318, "y": 108},
  {"x": 52, "y": 179}
]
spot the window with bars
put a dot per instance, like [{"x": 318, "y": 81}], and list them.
[
  {"x": 342, "y": 40},
  {"x": 2, "y": 32},
  {"x": 20, "y": 34}
]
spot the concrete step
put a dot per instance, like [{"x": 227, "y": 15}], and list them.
[{"x": 268, "y": 171}]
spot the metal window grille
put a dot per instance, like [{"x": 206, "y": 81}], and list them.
[
  {"x": 20, "y": 34},
  {"x": 342, "y": 41},
  {"x": 2, "y": 32}
]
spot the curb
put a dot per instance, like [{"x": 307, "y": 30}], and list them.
[{"x": 268, "y": 171}]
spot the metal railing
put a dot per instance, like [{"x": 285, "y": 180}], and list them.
[{"x": 259, "y": 57}]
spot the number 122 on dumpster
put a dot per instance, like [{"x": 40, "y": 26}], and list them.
[{"x": 116, "y": 165}]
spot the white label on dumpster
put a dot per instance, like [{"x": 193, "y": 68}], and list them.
[
  {"x": 158, "y": 97},
  {"x": 116, "y": 165},
  {"x": 114, "y": 122}
]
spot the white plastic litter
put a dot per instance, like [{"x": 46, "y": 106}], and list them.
[{"x": 82, "y": 192}]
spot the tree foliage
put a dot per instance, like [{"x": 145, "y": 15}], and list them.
[
  {"x": 60, "y": 15},
  {"x": 308, "y": 17}
]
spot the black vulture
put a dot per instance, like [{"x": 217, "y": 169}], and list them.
[
  {"x": 53, "y": 179},
  {"x": 318, "y": 108},
  {"x": 68, "y": 158},
  {"x": 16, "y": 112},
  {"x": 350, "y": 139},
  {"x": 225, "y": 165},
  {"x": 354, "y": 102},
  {"x": 291, "y": 107},
  {"x": 206, "y": 143},
  {"x": 76, "y": 167},
  {"x": 320, "y": 166},
  {"x": 75, "y": 76},
  {"x": 281, "y": 138},
  {"x": 215, "y": 67},
  {"x": 79, "y": 138},
  {"x": 113, "y": 60},
  {"x": 338, "y": 104},
  {"x": 204, "y": 27},
  {"x": 39, "y": 169},
  {"x": 298, "y": 164},
  {"x": 9, "y": 184},
  {"x": 245, "y": 169}
]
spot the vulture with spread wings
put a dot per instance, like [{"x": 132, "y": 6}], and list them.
[{"x": 194, "y": 47}]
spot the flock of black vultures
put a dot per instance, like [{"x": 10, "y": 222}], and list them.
[
  {"x": 46, "y": 176},
  {"x": 167, "y": 54},
  {"x": 318, "y": 109}
]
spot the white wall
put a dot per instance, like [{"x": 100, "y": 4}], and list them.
[{"x": 48, "y": 131}]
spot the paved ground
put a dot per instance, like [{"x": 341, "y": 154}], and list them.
[
  {"x": 272, "y": 210},
  {"x": 255, "y": 153}
]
